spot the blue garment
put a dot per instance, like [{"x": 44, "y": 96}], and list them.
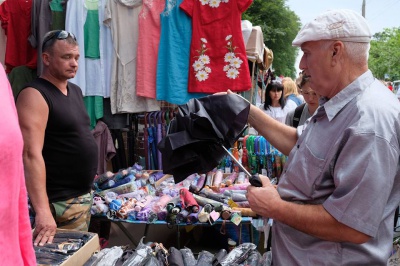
[
  {"x": 173, "y": 55},
  {"x": 295, "y": 99}
]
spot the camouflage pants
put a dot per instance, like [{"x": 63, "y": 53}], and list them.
[{"x": 73, "y": 213}]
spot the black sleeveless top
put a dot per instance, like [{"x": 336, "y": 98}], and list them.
[{"x": 69, "y": 151}]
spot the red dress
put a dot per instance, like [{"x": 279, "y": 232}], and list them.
[
  {"x": 218, "y": 60},
  {"x": 15, "y": 19}
]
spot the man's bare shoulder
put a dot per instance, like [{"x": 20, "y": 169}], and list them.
[
  {"x": 31, "y": 101},
  {"x": 30, "y": 95}
]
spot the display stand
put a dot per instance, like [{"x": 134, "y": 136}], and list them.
[{"x": 121, "y": 225}]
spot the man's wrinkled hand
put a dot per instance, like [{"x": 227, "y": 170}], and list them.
[{"x": 263, "y": 200}]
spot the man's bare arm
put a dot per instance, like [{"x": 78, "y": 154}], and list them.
[
  {"x": 33, "y": 115},
  {"x": 281, "y": 136}
]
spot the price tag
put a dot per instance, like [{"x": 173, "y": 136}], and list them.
[{"x": 236, "y": 218}]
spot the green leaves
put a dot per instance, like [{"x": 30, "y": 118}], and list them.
[
  {"x": 280, "y": 26},
  {"x": 385, "y": 54}
]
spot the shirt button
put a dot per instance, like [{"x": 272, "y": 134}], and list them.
[{"x": 298, "y": 146}]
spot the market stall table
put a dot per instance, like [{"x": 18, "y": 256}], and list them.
[{"x": 121, "y": 225}]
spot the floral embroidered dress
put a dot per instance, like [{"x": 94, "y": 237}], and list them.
[{"x": 218, "y": 58}]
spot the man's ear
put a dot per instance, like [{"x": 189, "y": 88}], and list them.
[
  {"x": 45, "y": 58},
  {"x": 338, "y": 48},
  {"x": 337, "y": 51}
]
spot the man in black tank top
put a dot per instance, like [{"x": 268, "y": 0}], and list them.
[{"x": 60, "y": 153}]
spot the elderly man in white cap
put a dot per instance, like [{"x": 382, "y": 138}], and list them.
[{"x": 336, "y": 199}]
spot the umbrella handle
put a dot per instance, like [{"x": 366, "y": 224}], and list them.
[{"x": 255, "y": 181}]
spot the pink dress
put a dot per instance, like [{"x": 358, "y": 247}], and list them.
[
  {"x": 16, "y": 246},
  {"x": 149, "y": 38},
  {"x": 218, "y": 60}
]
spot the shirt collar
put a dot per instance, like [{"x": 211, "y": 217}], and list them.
[{"x": 339, "y": 101}]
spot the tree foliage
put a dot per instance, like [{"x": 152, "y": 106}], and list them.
[
  {"x": 280, "y": 26},
  {"x": 384, "y": 58}
]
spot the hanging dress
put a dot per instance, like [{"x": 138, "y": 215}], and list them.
[
  {"x": 106, "y": 52},
  {"x": 3, "y": 43},
  {"x": 149, "y": 38},
  {"x": 40, "y": 25},
  {"x": 83, "y": 20},
  {"x": 15, "y": 17},
  {"x": 74, "y": 21},
  {"x": 122, "y": 17},
  {"x": 173, "y": 55},
  {"x": 218, "y": 60}
]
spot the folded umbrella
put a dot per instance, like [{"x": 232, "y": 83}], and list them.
[
  {"x": 159, "y": 137},
  {"x": 201, "y": 132},
  {"x": 152, "y": 130},
  {"x": 146, "y": 141},
  {"x": 188, "y": 201}
]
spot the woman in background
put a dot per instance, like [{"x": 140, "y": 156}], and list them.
[
  {"x": 291, "y": 93},
  {"x": 298, "y": 116},
  {"x": 275, "y": 104}
]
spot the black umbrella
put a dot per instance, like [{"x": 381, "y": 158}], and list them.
[{"x": 201, "y": 133}]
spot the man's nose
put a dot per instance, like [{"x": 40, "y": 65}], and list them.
[
  {"x": 74, "y": 62},
  {"x": 302, "y": 64}
]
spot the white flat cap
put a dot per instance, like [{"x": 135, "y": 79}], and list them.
[{"x": 339, "y": 24}]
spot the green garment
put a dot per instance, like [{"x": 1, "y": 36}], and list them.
[
  {"x": 58, "y": 15},
  {"x": 94, "y": 107},
  {"x": 19, "y": 77},
  {"x": 92, "y": 34}
]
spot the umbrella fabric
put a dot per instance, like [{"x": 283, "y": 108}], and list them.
[
  {"x": 146, "y": 141},
  {"x": 205, "y": 258},
  {"x": 208, "y": 193},
  {"x": 175, "y": 257},
  {"x": 152, "y": 131},
  {"x": 188, "y": 257},
  {"x": 188, "y": 201},
  {"x": 193, "y": 217},
  {"x": 219, "y": 256},
  {"x": 159, "y": 137},
  {"x": 196, "y": 135}
]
